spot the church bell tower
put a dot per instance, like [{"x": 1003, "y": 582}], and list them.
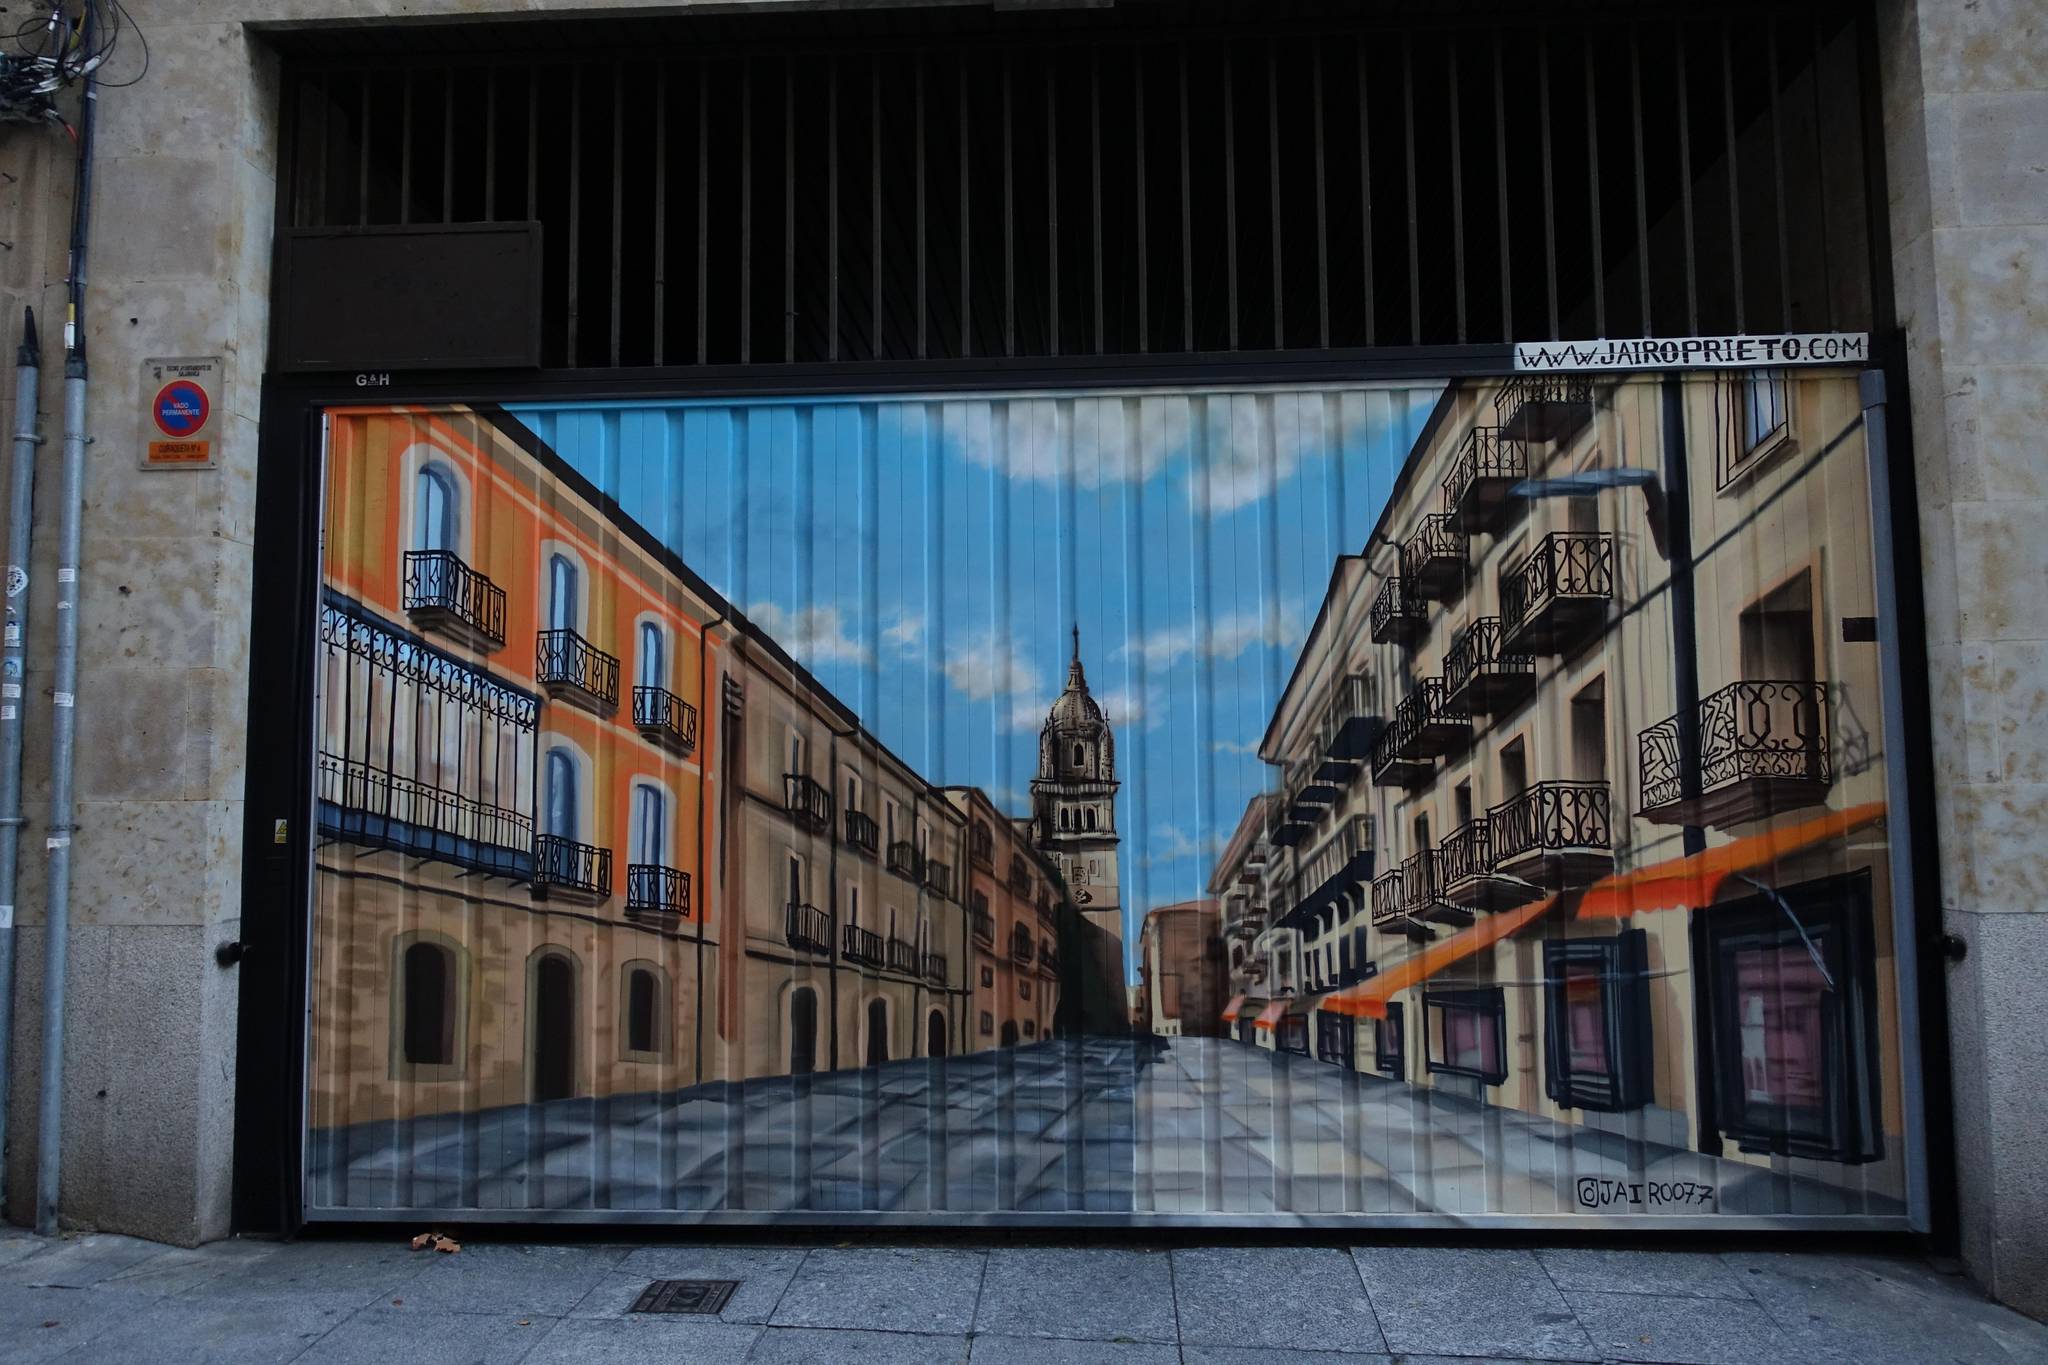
[{"x": 1073, "y": 800}]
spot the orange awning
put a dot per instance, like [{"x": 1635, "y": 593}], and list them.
[
  {"x": 1269, "y": 1017},
  {"x": 1680, "y": 883},
  {"x": 1233, "y": 1009},
  {"x": 1694, "y": 880}
]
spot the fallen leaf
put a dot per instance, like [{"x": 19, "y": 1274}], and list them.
[
  {"x": 446, "y": 1244},
  {"x": 51, "y": 1323},
  {"x": 524, "y": 1322},
  {"x": 422, "y": 1240},
  {"x": 396, "y": 1302}
]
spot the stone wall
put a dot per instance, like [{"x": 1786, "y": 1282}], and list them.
[{"x": 1966, "y": 140}]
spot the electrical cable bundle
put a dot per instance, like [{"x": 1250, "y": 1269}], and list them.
[{"x": 63, "y": 44}]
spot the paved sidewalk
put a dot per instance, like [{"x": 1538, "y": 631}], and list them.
[{"x": 107, "y": 1298}]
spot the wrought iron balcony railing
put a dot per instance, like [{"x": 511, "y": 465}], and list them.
[
  {"x": 1398, "y": 759},
  {"x": 1466, "y": 853},
  {"x": 905, "y": 861},
  {"x": 445, "y": 594},
  {"x": 1020, "y": 876},
  {"x": 862, "y": 945},
  {"x": 1486, "y": 467},
  {"x": 938, "y": 877},
  {"x": 807, "y": 802},
  {"x": 1551, "y": 818},
  {"x": 981, "y": 847},
  {"x": 563, "y": 868},
  {"x": 1557, "y": 596},
  {"x": 1762, "y": 746},
  {"x": 1418, "y": 883},
  {"x": 1048, "y": 957},
  {"x": 1386, "y": 898},
  {"x": 862, "y": 833},
  {"x": 1479, "y": 676},
  {"x": 369, "y": 806},
  {"x": 1433, "y": 560},
  {"x": 934, "y": 968},
  {"x": 1020, "y": 944},
  {"x": 900, "y": 955},
  {"x": 656, "y": 893},
  {"x": 665, "y": 718},
  {"x": 984, "y": 926},
  {"x": 1399, "y": 616},
  {"x": 571, "y": 668},
  {"x": 1349, "y": 724},
  {"x": 1543, "y": 407},
  {"x": 807, "y": 928}
]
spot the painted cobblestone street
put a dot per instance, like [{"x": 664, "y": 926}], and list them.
[{"x": 1181, "y": 1125}]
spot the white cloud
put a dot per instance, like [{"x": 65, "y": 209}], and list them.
[
  {"x": 814, "y": 635},
  {"x": 1231, "y": 746},
  {"x": 1170, "y": 842},
  {"x": 1255, "y": 444},
  {"x": 1027, "y": 713},
  {"x": 1226, "y": 637},
  {"x": 988, "y": 666},
  {"x": 1096, "y": 442},
  {"x": 906, "y": 630},
  {"x": 1125, "y": 706}
]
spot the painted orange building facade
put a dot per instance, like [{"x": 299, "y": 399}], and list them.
[{"x": 1013, "y": 916}]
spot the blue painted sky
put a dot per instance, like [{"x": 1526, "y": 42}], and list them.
[{"x": 925, "y": 558}]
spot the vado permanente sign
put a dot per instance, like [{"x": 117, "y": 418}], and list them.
[{"x": 1696, "y": 353}]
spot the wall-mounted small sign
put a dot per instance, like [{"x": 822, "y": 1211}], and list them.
[
  {"x": 1697, "y": 353},
  {"x": 181, "y": 402}
]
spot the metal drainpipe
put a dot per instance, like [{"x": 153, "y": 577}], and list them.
[
  {"x": 20, "y": 506},
  {"x": 63, "y": 712}
]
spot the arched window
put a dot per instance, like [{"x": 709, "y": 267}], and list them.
[
  {"x": 643, "y": 1003},
  {"x": 429, "y": 985},
  {"x": 1080, "y": 755},
  {"x": 553, "y": 1016},
  {"x": 648, "y": 842},
  {"x": 878, "y": 1032},
  {"x": 935, "y": 1034},
  {"x": 560, "y": 807},
  {"x": 803, "y": 1031},
  {"x": 562, "y": 613},
  {"x": 1091, "y": 817},
  {"x": 433, "y": 512},
  {"x": 653, "y": 669},
  {"x": 1063, "y": 819}
]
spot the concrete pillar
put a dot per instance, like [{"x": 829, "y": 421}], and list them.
[{"x": 1966, "y": 143}]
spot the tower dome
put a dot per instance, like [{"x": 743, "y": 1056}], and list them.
[{"x": 1075, "y": 711}]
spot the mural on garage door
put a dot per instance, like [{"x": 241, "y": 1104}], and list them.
[{"x": 1460, "y": 800}]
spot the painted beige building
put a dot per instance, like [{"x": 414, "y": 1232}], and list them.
[
  {"x": 1515, "y": 657},
  {"x": 1180, "y": 971},
  {"x": 1013, "y": 923}
]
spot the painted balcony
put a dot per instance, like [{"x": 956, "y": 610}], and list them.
[
  {"x": 1487, "y": 465},
  {"x": 807, "y": 929},
  {"x": 1349, "y": 725},
  {"x": 371, "y": 807},
  {"x": 1433, "y": 560},
  {"x": 1397, "y": 755},
  {"x": 445, "y": 595},
  {"x": 863, "y": 946},
  {"x": 1437, "y": 725},
  {"x": 1020, "y": 875},
  {"x": 1288, "y": 823},
  {"x": 1049, "y": 959},
  {"x": 981, "y": 848},
  {"x": 1389, "y": 908},
  {"x": 1466, "y": 875},
  {"x": 863, "y": 835},
  {"x": 569, "y": 668},
  {"x": 1399, "y": 616},
  {"x": 807, "y": 802},
  {"x": 984, "y": 926},
  {"x": 901, "y": 955},
  {"x": 564, "y": 870},
  {"x": 1755, "y": 748},
  {"x": 665, "y": 718},
  {"x": 1556, "y": 598},
  {"x": 1543, "y": 407},
  {"x": 656, "y": 895},
  {"x": 938, "y": 878},
  {"x": 1419, "y": 893},
  {"x": 905, "y": 861},
  {"x": 1480, "y": 677},
  {"x": 1020, "y": 944},
  {"x": 1554, "y": 835},
  {"x": 933, "y": 967}
]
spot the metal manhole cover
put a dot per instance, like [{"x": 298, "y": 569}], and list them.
[{"x": 684, "y": 1296}]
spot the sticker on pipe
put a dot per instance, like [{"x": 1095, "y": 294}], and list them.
[{"x": 181, "y": 397}]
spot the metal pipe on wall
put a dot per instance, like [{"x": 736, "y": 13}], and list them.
[
  {"x": 20, "y": 507},
  {"x": 63, "y": 710}
]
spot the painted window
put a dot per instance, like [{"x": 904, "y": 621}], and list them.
[
  {"x": 560, "y": 807},
  {"x": 653, "y": 667},
  {"x": 562, "y": 612},
  {"x": 649, "y": 840},
  {"x": 803, "y": 1031},
  {"x": 1765, "y": 403},
  {"x": 1596, "y": 1040},
  {"x": 1466, "y": 1031},
  {"x": 429, "y": 1028},
  {"x": 433, "y": 513},
  {"x": 643, "y": 1001},
  {"x": 1388, "y": 1042}
]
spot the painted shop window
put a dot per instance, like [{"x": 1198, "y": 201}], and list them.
[
  {"x": 1596, "y": 1025},
  {"x": 646, "y": 1024},
  {"x": 803, "y": 1031},
  {"x": 1387, "y": 1041},
  {"x": 429, "y": 1005},
  {"x": 1465, "y": 1032},
  {"x": 1293, "y": 1036},
  {"x": 1009, "y": 1035},
  {"x": 653, "y": 668},
  {"x": 878, "y": 1032},
  {"x": 433, "y": 513},
  {"x": 1030, "y": 1028},
  {"x": 562, "y": 613},
  {"x": 1334, "y": 1038},
  {"x": 1792, "y": 990}
]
